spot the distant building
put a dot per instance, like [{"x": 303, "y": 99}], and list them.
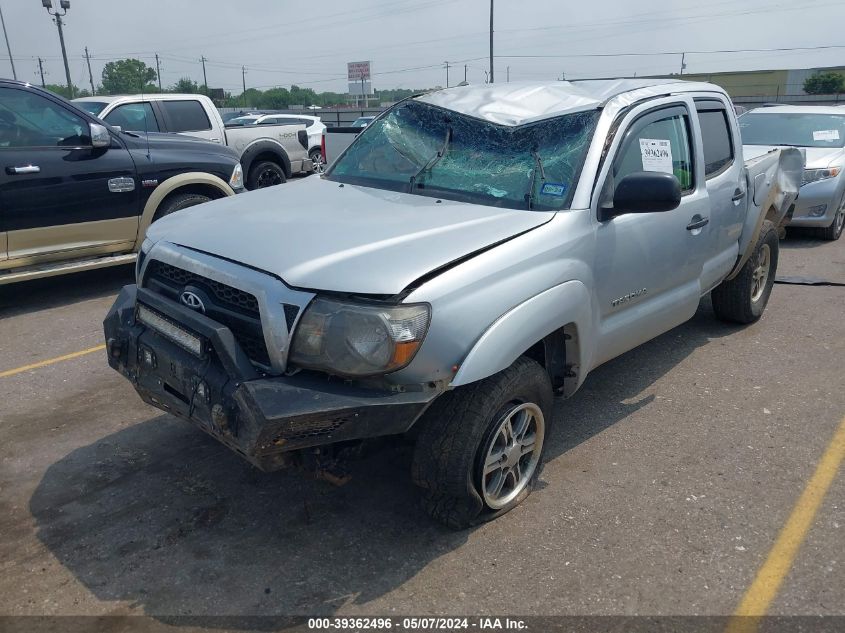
[{"x": 768, "y": 84}]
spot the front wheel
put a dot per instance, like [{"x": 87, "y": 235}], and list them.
[
  {"x": 834, "y": 231},
  {"x": 480, "y": 449},
  {"x": 265, "y": 174},
  {"x": 743, "y": 298},
  {"x": 179, "y": 201}
]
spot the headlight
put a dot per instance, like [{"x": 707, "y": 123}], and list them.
[
  {"x": 814, "y": 175},
  {"x": 237, "y": 179},
  {"x": 357, "y": 339}
]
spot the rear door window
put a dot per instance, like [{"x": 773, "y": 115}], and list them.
[
  {"x": 715, "y": 137},
  {"x": 185, "y": 116}
]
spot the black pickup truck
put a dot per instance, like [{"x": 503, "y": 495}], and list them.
[{"x": 76, "y": 194}]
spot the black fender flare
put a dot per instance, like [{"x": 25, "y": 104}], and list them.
[{"x": 265, "y": 147}]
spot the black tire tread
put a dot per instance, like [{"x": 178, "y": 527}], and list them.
[
  {"x": 732, "y": 298},
  {"x": 446, "y": 448},
  {"x": 177, "y": 202}
]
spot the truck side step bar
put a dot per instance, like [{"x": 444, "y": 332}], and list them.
[{"x": 59, "y": 268}]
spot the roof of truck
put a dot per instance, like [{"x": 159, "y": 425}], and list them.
[{"x": 517, "y": 103}]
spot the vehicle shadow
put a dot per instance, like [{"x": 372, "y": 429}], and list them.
[
  {"x": 53, "y": 292},
  {"x": 164, "y": 517},
  {"x": 797, "y": 237}
]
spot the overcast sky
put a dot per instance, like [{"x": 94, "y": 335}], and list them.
[{"x": 308, "y": 43}]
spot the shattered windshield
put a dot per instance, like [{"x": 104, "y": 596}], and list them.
[{"x": 425, "y": 150}]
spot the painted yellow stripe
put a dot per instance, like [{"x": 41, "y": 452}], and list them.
[
  {"x": 51, "y": 361},
  {"x": 756, "y": 601}
]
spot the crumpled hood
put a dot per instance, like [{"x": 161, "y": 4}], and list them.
[
  {"x": 318, "y": 234},
  {"x": 814, "y": 157}
]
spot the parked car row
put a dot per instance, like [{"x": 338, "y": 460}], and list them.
[{"x": 269, "y": 154}]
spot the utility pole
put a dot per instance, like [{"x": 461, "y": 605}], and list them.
[
  {"x": 57, "y": 18},
  {"x": 465, "y": 73},
  {"x": 90, "y": 75},
  {"x": 158, "y": 73},
  {"x": 243, "y": 77},
  {"x": 363, "y": 94},
  {"x": 491, "y": 41},
  {"x": 683, "y": 65},
  {"x": 204, "y": 76},
  {"x": 509, "y": 75},
  {"x": 8, "y": 46},
  {"x": 41, "y": 70},
  {"x": 447, "y": 73}
]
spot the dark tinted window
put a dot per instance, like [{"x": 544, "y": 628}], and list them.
[
  {"x": 29, "y": 120},
  {"x": 716, "y": 137},
  {"x": 186, "y": 116},
  {"x": 131, "y": 117}
]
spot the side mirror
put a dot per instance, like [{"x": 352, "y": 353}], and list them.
[
  {"x": 100, "y": 136},
  {"x": 644, "y": 192}
]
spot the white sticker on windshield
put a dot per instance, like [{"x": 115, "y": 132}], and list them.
[
  {"x": 657, "y": 155},
  {"x": 826, "y": 135}
]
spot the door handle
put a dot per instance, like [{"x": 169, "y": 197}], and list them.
[
  {"x": 698, "y": 224},
  {"x": 214, "y": 140},
  {"x": 739, "y": 194},
  {"x": 26, "y": 169}
]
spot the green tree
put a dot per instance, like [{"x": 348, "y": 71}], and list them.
[
  {"x": 302, "y": 96},
  {"x": 127, "y": 75},
  {"x": 275, "y": 99},
  {"x": 186, "y": 86},
  {"x": 62, "y": 91},
  {"x": 824, "y": 83}
]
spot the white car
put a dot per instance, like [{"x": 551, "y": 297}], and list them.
[{"x": 313, "y": 126}]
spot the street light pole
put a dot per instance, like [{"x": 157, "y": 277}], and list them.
[
  {"x": 8, "y": 46},
  {"x": 57, "y": 18}
]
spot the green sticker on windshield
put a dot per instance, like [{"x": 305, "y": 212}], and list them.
[{"x": 553, "y": 189}]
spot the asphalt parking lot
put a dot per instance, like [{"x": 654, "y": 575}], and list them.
[{"x": 669, "y": 478}]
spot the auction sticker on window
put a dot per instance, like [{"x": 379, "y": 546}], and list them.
[
  {"x": 553, "y": 189},
  {"x": 826, "y": 135},
  {"x": 657, "y": 155}
]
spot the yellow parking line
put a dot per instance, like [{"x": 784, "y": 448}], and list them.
[
  {"x": 755, "y": 603},
  {"x": 51, "y": 361}
]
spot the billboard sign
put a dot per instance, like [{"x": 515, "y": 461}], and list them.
[{"x": 355, "y": 71}]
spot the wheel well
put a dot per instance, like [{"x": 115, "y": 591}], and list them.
[
  {"x": 202, "y": 190},
  {"x": 273, "y": 158},
  {"x": 771, "y": 214},
  {"x": 558, "y": 353}
]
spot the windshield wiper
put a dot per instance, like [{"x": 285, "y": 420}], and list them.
[
  {"x": 538, "y": 166},
  {"x": 433, "y": 161}
]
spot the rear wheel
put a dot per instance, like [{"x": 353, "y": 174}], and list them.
[
  {"x": 743, "y": 298},
  {"x": 316, "y": 156},
  {"x": 480, "y": 449},
  {"x": 179, "y": 201},
  {"x": 265, "y": 174}
]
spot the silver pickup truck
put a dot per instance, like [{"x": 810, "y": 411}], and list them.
[{"x": 476, "y": 251}]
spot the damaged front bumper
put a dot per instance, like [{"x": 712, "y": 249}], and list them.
[{"x": 215, "y": 386}]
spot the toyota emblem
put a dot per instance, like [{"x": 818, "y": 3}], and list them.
[{"x": 191, "y": 300}]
